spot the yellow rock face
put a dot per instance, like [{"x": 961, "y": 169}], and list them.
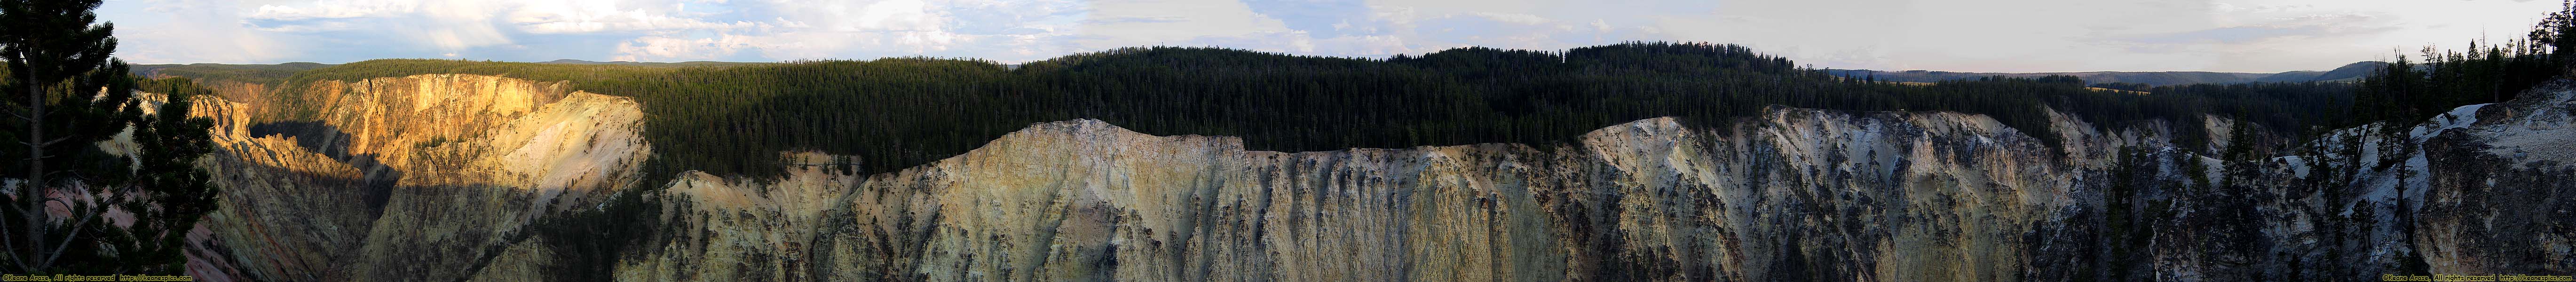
[{"x": 408, "y": 178}]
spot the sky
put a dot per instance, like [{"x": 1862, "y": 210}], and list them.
[{"x": 1957, "y": 35}]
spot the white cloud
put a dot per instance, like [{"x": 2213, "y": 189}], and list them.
[
  {"x": 333, "y": 9},
  {"x": 651, "y": 48},
  {"x": 319, "y": 26},
  {"x": 456, "y": 25},
  {"x": 192, "y": 31},
  {"x": 1230, "y": 23},
  {"x": 448, "y": 25},
  {"x": 586, "y": 16},
  {"x": 868, "y": 29},
  {"x": 1516, "y": 18},
  {"x": 895, "y": 15}
]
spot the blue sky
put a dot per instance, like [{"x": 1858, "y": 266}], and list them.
[{"x": 1967, "y": 35}]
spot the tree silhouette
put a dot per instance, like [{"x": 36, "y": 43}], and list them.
[{"x": 56, "y": 219}]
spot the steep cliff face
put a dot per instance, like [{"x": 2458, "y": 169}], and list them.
[
  {"x": 1798, "y": 192},
  {"x": 2491, "y": 186},
  {"x": 411, "y": 178},
  {"x": 1793, "y": 194},
  {"x": 2479, "y": 190},
  {"x": 436, "y": 177}
]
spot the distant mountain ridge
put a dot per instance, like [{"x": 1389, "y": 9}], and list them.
[{"x": 2347, "y": 72}]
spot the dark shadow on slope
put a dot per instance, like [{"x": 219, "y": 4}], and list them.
[{"x": 378, "y": 179}]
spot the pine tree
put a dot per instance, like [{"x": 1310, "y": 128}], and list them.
[
  {"x": 58, "y": 60},
  {"x": 2242, "y": 164},
  {"x": 2557, "y": 31}
]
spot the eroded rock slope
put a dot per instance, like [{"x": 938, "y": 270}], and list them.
[
  {"x": 436, "y": 177},
  {"x": 410, "y": 178}
]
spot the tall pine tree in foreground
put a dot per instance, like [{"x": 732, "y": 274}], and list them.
[{"x": 73, "y": 208}]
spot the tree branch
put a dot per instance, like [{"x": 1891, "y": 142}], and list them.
[
  {"x": 56, "y": 140},
  {"x": 22, "y": 196},
  {"x": 75, "y": 230},
  {"x": 12, "y": 245},
  {"x": 67, "y": 242}
]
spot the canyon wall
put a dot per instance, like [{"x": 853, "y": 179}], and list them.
[
  {"x": 412, "y": 178},
  {"x": 438, "y": 177}
]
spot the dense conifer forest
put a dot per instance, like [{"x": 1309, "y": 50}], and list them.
[
  {"x": 900, "y": 112},
  {"x": 263, "y": 74}
]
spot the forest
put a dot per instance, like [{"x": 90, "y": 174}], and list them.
[
  {"x": 733, "y": 119},
  {"x": 900, "y": 112}
]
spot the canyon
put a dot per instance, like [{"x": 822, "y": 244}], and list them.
[{"x": 444, "y": 177}]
